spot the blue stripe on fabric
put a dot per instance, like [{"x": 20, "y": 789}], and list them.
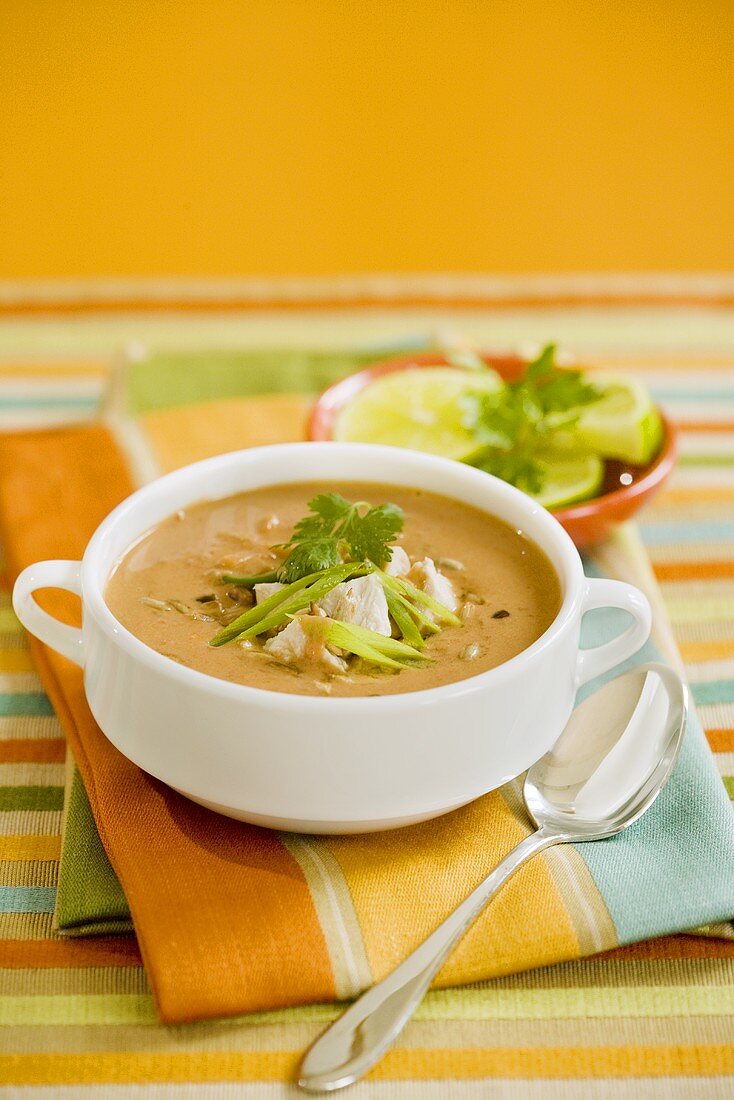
[
  {"x": 686, "y": 531},
  {"x": 673, "y": 869},
  {"x": 27, "y": 899},
  {"x": 683, "y": 394},
  {"x": 33, "y": 703},
  {"x": 56, "y": 401},
  {"x": 713, "y": 691}
]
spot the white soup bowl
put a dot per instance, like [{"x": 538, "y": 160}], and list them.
[{"x": 327, "y": 765}]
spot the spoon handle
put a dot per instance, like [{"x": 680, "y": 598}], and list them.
[{"x": 354, "y": 1042}]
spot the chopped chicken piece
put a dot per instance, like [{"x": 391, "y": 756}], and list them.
[
  {"x": 293, "y": 646},
  {"x": 399, "y": 563},
  {"x": 265, "y": 591},
  {"x": 430, "y": 580},
  {"x": 360, "y": 601}
]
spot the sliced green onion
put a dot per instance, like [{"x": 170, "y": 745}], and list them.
[
  {"x": 390, "y": 584},
  {"x": 418, "y": 596},
  {"x": 251, "y": 581},
  {"x": 403, "y": 620},
  {"x": 295, "y": 603},
  {"x": 365, "y": 643},
  {"x": 402, "y": 589},
  {"x": 323, "y": 628}
]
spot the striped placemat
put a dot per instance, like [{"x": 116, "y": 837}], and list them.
[{"x": 653, "y": 1020}]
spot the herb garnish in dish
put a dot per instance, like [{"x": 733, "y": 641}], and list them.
[
  {"x": 336, "y": 531},
  {"x": 315, "y": 567},
  {"x": 339, "y": 531},
  {"x": 520, "y": 426}
]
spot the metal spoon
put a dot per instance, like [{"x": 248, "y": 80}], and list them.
[{"x": 606, "y": 769}]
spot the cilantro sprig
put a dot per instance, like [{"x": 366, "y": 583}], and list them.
[
  {"x": 515, "y": 426},
  {"x": 338, "y": 531}
]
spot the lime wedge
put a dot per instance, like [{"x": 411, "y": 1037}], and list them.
[
  {"x": 418, "y": 408},
  {"x": 623, "y": 424},
  {"x": 570, "y": 478}
]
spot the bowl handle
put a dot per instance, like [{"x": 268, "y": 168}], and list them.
[
  {"x": 600, "y": 659},
  {"x": 66, "y": 640}
]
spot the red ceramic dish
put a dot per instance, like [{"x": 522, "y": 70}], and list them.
[{"x": 587, "y": 522}]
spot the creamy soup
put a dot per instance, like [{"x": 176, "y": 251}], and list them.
[{"x": 476, "y": 592}]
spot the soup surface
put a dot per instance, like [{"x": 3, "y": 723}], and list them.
[{"x": 169, "y": 590}]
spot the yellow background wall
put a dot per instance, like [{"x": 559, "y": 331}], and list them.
[{"x": 319, "y": 136}]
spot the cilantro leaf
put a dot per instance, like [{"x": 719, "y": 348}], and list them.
[
  {"x": 556, "y": 389},
  {"x": 368, "y": 536},
  {"x": 338, "y": 530},
  {"x": 309, "y": 555},
  {"x": 516, "y": 424},
  {"x": 327, "y": 509}
]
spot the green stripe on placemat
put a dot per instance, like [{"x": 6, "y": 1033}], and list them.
[
  {"x": 168, "y": 379},
  {"x": 31, "y": 798}
]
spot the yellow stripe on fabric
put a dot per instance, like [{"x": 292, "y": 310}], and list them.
[
  {"x": 402, "y": 1064},
  {"x": 192, "y": 432},
  {"x": 15, "y": 660},
  {"x": 693, "y": 652},
  {"x": 30, "y": 847},
  {"x": 51, "y": 370},
  {"x": 123, "y": 1068},
  {"x": 563, "y": 1062},
  {"x": 444, "y": 859}
]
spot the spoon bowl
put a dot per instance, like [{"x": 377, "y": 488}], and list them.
[
  {"x": 613, "y": 757},
  {"x": 611, "y": 762}
]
